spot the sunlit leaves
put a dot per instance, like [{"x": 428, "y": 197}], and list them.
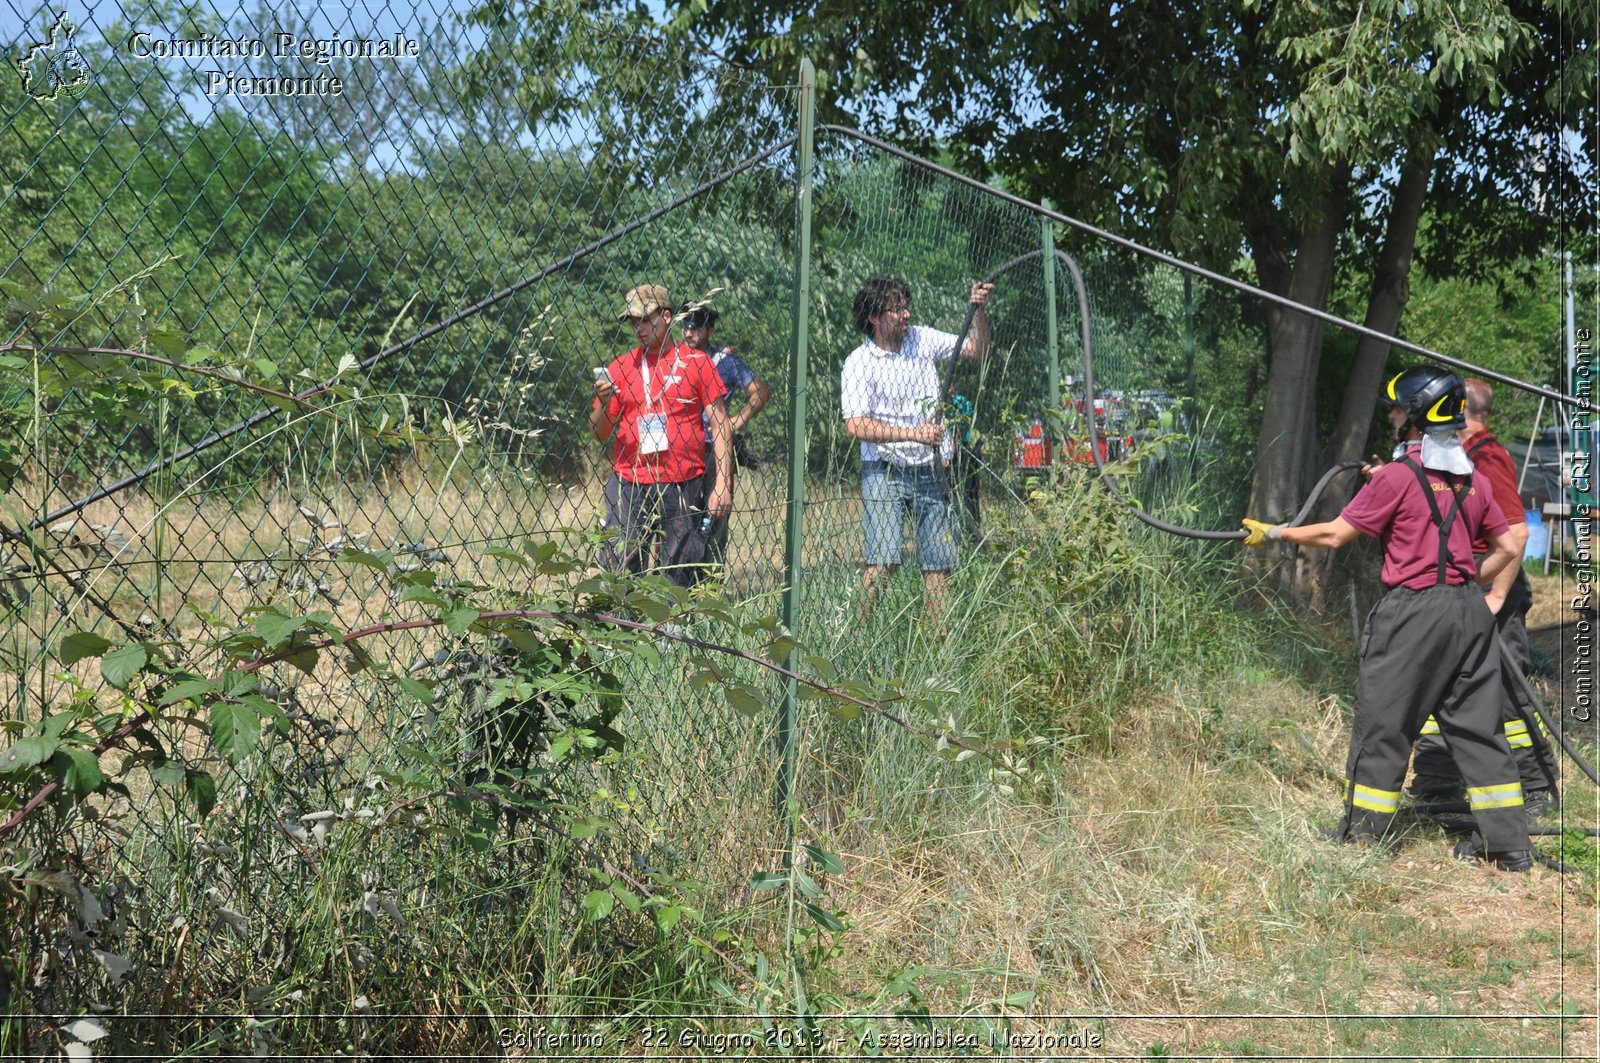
[
  {"x": 823, "y": 859},
  {"x": 120, "y": 665},
  {"x": 825, "y": 919}
]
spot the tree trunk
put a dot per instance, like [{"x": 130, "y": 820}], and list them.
[
  {"x": 1286, "y": 452},
  {"x": 1391, "y": 290}
]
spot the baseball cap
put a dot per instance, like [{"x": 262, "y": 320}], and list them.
[{"x": 644, "y": 300}]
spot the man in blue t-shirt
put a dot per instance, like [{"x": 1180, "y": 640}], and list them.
[{"x": 699, "y": 325}]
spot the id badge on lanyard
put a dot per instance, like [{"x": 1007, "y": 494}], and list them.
[
  {"x": 652, "y": 433},
  {"x": 652, "y": 426}
]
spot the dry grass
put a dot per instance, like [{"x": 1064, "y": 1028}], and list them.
[
  {"x": 200, "y": 556},
  {"x": 1181, "y": 876}
]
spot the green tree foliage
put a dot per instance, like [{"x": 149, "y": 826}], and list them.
[
  {"x": 1306, "y": 134},
  {"x": 331, "y": 230}
]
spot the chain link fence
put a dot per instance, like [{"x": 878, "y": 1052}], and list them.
[{"x": 445, "y": 244}]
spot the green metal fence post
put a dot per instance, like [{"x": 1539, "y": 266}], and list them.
[
  {"x": 794, "y": 533},
  {"x": 1188, "y": 336},
  {"x": 1052, "y": 346}
]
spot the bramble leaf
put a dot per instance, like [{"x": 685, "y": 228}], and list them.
[
  {"x": 416, "y": 688},
  {"x": 202, "y": 789},
  {"x": 190, "y": 690},
  {"x": 235, "y": 730},
  {"x": 123, "y": 663},
  {"x": 275, "y": 626},
  {"x": 457, "y": 621},
  {"x": 598, "y": 904},
  {"x": 83, "y": 774},
  {"x": 743, "y": 699},
  {"x": 27, "y": 753},
  {"x": 80, "y": 644}
]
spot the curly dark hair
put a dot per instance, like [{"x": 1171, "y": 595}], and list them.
[{"x": 869, "y": 301}]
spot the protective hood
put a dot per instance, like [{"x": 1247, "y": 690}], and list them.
[{"x": 1441, "y": 452}]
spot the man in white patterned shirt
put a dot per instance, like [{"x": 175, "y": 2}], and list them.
[{"x": 889, "y": 398}]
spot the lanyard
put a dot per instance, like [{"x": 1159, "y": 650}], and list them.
[{"x": 644, "y": 375}]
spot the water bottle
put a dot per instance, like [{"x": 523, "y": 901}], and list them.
[{"x": 1538, "y": 537}]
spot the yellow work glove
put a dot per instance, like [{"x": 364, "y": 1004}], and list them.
[{"x": 1260, "y": 532}]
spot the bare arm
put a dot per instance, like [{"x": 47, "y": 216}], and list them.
[
  {"x": 759, "y": 395},
  {"x": 1329, "y": 535},
  {"x": 977, "y": 344},
  {"x": 1500, "y": 585},
  {"x": 868, "y": 430},
  {"x": 1502, "y": 552},
  {"x": 721, "y": 500},
  {"x": 600, "y": 420}
]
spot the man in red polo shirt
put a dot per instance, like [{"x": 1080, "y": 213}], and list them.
[
  {"x": 649, "y": 402},
  {"x": 1429, "y": 643},
  {"x": 1510, "y": 596}
]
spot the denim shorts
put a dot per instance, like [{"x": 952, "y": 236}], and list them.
[{"x": 887, "y": 491}]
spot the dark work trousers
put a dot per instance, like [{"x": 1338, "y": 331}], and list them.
[
  {"x": 717, "y": 541},
  {"x": 1531, "y": 744},
  {"x": 1431, "y": 650},
  {"x": 655, "y": 526}
]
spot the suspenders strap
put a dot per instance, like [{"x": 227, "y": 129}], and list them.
[{"x": 1443, "y": 522}]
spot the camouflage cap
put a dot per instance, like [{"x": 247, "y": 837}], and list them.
[{"x": 644, "y": 300}]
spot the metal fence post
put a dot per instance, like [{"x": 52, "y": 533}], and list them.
[
  {"x": 1188, "y": 338},
  {"x": 1052, "y": 344},
  {"x": 794, "y": 528}
]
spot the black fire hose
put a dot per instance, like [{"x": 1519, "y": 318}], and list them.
[
  {"x": 1461, "y": 808},
  {"x": 1088, "y": 387},
  {"x": 1544, "y": 717},
  {"x": 1534, "y": 702}
]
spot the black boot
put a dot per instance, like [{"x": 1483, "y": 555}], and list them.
[
  {"x": 1540, "y": 802},
  {"x": 1472, "y": 851}
]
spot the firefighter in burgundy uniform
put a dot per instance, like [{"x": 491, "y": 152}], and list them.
[
  {"x": 1510, "y": 596},
  {"x": 1429, "y": 644}
]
